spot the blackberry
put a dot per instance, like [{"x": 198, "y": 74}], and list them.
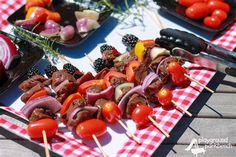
[
  {"x": 77, "y": 74},
  {"x": 33, "y": 71},
  {"x": 71, "y": 69},
  {"x": 105, "y": 47},
  {"x": 99, "y": 64},
  {"x": 50, "y": 69},
  {"x": 129, "y": 40}
]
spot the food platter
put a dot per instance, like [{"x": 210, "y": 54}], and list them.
[
  {"x": 66, "y": 9},
  {"x": 115, "y": 142},
  {"x": 173, "y": 8},
  {"x": 30, "y": 54}
]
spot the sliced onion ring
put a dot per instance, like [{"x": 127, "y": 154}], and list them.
[
  {"x": 123, "y": 101},
  {"x": 107, "y": 94},
  {"x": 44, "y": 102},
  {"x": 148, "y": 80}
]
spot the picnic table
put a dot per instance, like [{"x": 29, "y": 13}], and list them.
[{"x": 212, "y": 126}]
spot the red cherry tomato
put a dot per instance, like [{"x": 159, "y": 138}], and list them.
[
  {"x": 111, "y": 112},
  {"x": 213, "y": 5},
  {"x": 140, "y": 115},
  {"x": 174, "y": 67},
  {"x": 165, "y": 97},
  {"x": 197, "y": 10},
  {"x": 35, "y": 128},
  {"x": 91, "y": 127},
  {"x": 179, "y": 79},
  {"x": 221, "y": 14},
  {"x": 212, "y": 21},
  {"x": 188, "y": 3}
]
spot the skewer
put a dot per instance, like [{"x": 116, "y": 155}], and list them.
[
  {"x": 45, "y": 141},
  {"x": 154, "y": 17},
  {"x": 199, "y": 83},
  {"x": 90, "y": 59},
  {"x": 130, "y": 134},
  {"x": 99, "y": 145},
  {"x": 180, "y": 107},
  {"x": 158, "y": 126}
]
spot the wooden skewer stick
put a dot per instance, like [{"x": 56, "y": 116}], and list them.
[
  {"x": 154, "y": 17},
  {"x": 158, "y": 126},
  {"x": 130, "y": 134},
  {"x": 45, "y": 141},
  {"x": 90, "y": 59},
  {"x": 180, "y": 107},
  {"x": 199, "y": 83},
  {"x": 99, "y": 145}
]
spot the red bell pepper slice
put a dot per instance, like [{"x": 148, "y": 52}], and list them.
[
  {"x": 111, "y": 74},
  {"x": 148, "y": 43},
  {"x": 130, "y": 70},
  {"x": 38, "y": 94},
  {"x": 84, "y": 86}
]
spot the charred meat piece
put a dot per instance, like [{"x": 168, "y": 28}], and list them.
[
  {"x": 33, "y": 81},
  {"x": 140, "y": 73},
  {"x": 30, "y": 92},
  {"x": 120, "y": 64},
  {"x": 101, "y": 74},
  {"x": 134, "y": 100},
  {"x": 152, "y": 90},
  {"x": 59, "y": 76},
  {"x": 66, "y": 90},
  {"x": 40, "y": 113},
  {"x": 100, "y": 103},
  {"x": 86, "y": 77},
  {"x": 154, "y": 64},
  {"x": 115, "y": 81},
  {"x": 80, "y": 117}
]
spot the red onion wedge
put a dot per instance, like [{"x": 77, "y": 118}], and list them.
[
  {"x": 8, "y": 52},
  {"x": 26, "y": 24},
  {"x": 45, "y": 102},
  {"x": 107, "y": 94},
  {"x": 85, "y": 25},
  {"x": 148, "y": 80},
  {"x": 72, "y": 117},
  {"x": 50, "y": 24},
  {"x": 67, "y": 33},
  {"x": 123, "y": 101}
]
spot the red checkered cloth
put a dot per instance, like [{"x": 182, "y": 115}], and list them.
[{"x": 7, "y": 7}]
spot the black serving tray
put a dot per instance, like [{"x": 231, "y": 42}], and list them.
[
  {"x": 172, "y": 7},
  {"x": 66, "y": 9},
  {"x": 30, "y": 55}
]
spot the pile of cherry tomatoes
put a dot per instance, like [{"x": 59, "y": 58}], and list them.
[{"x": 201, "y": 9}]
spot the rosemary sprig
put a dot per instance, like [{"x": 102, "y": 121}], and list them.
[{"x": 43, "y": 43}]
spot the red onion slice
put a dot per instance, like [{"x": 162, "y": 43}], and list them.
[
  {"x": 61, "y": 85},
  {"x": 123, "y": 101},
  {"x": 8, "y": 51},
  {"x": 45, "y": 102},
  {"x": 163, "y": 61},
  {"x": 148, "y": 80},
  {"x": 107, "y": 94}
]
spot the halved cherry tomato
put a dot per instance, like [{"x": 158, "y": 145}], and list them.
[
  {"x": 221, "y": 14},
  {"x": 212, "y": 21},
  {"x": 165, "y": 97},
  {"x": 84, "y": 86},
  {"x": 69, "y": 100},
  {"x": 35, "y": 128},
  {"x": 111, "y": 112},
  {"x": 197, "y": 10},
  {"x": 140, "y": 115},
  {"x": 130, "y": 70},
  {"x": 213, "y": 5},
  {"x": 91, "y": 127},
  {"x": 188, "y": 3},
  {"x": 111, "y": 74},
  {"x": 38, "y": 94}
]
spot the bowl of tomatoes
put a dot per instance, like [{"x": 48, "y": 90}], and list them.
[{"x": 210, "y": 15}]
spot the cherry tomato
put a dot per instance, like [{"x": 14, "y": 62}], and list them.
[
  {"x": 174, "y": 67},
  {"x": 35, "y": 128},
  {"x": 111, "y": 112},
  {"x": 221, "y": 14},
  {"x": 165, "y": 97},
  {"x": 91, "y": 127},
  {"x": 197, "y": 10},
  {"x": 140, "y": 115},
  {"x": 213, "y": 5},
  {"x": 188, "y": 3},
  {"x": 212, "y": 21},
  {"x": 179, "y": 79}
]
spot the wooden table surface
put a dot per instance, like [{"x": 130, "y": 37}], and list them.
[{"x": 214, "y": 117}]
